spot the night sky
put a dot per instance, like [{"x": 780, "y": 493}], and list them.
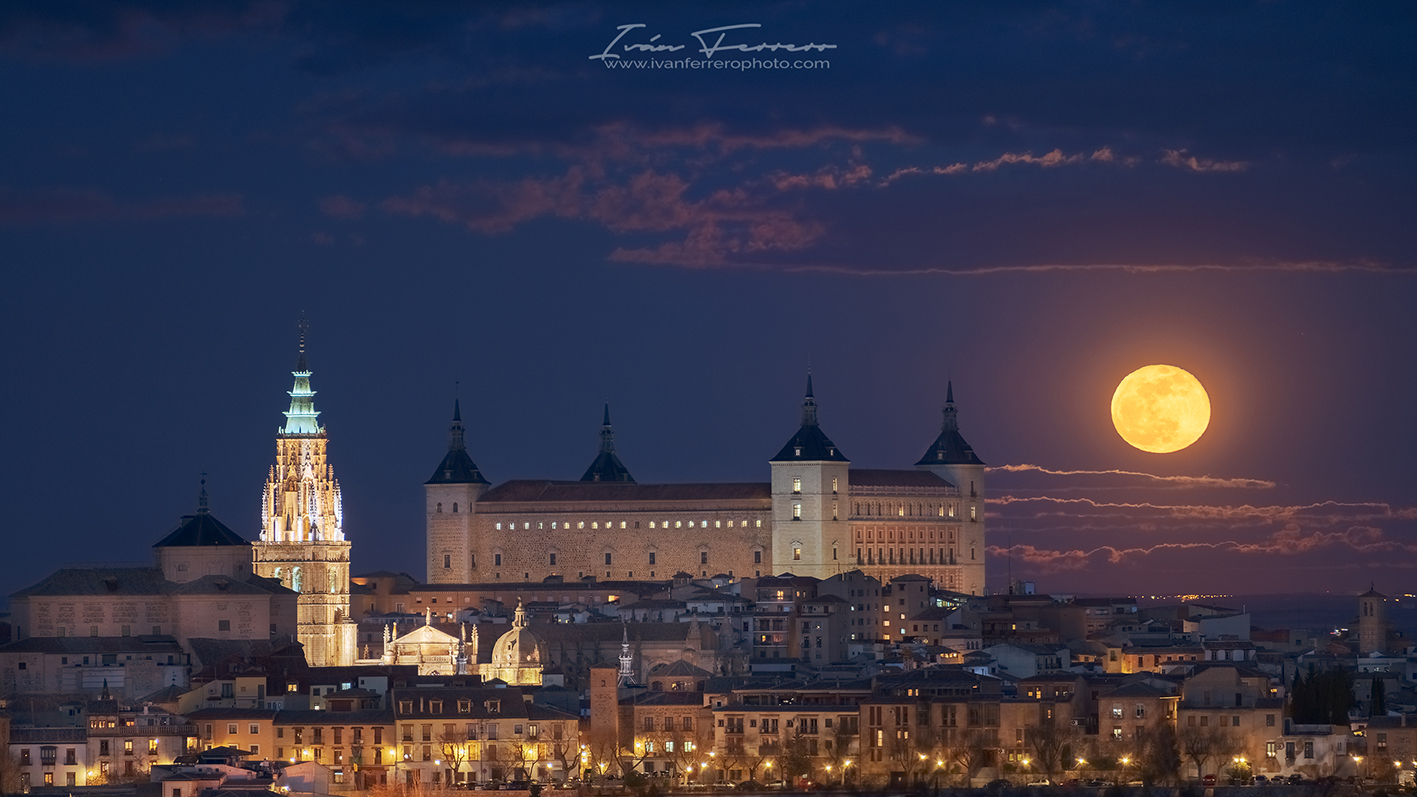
[{"x": 1030, "y": 199}]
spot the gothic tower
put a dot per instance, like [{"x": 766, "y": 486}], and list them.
[
  {"x": 450, "y": 498},
  {"x": 952, "y": 459},
  {"x": 302, "y": 542},
  {"x": 809, "y": 492}
]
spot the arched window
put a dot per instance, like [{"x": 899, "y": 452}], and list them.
[
  {"x": 455, "y": 506},
  {"x": 295, "y": 578},
  {"x": 277, "y": 575},
  {"x": 440, "y": 509}
]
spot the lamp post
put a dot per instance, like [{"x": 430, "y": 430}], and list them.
[
  {"x": 1122, "y": 774},
  {"x": 1358, "y": 768},
  {"x": 768, "y": 775}
]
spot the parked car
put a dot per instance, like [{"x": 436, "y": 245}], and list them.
[
  {"x": 1261, "y": 780},
  {"x": 1208, "y": 781},
  {"x": 1296, "y": 779},
  {"x": 1040, "y": 782},
  {"x": 1001, "y": 783}
]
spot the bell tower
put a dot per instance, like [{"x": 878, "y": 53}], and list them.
[{"x": 302, "y": 542}]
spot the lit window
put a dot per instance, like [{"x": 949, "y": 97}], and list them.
[
  {"x": 796, "y": 484},
  {"x": 678, "y": 524},
  {"x": 594, "y": 524},
  {"x": 499, "y": 526},
  {"x": 797, "y": 554},
  {"x": 760, "y": 524},
  {"x": 796, "y": 511},
  {"x": 580, "y": 525},
  {"x": 651, "y": 524}
]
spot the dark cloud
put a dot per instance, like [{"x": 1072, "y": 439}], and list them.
[{"x": 59, "y": 205}]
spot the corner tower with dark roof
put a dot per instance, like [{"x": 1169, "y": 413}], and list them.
[
  {"x": 809, "y": 488},
  {"x": 952, "y": 458},
  {"x": 450, "y": 498}
]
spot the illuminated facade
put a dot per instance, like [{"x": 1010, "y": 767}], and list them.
[
  {"x": 818, "y": 516},
  {"x": 302, "y": 542}
]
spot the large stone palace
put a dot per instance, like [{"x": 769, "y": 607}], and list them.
[{"x": 817, "y": 516}]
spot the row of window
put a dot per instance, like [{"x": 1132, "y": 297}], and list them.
[
  {"x": 552, "y": 557},
  {"x": 871, "y": 533},
  {"x": 610, "y": 524},
  {"x": 914, "y": 556}
]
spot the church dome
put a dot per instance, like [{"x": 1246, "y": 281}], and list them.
[{"x": 519, "y": 647}]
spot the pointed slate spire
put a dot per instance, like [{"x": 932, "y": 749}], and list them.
[
  {"x": 951, "y": 421},
  {"x": 457, "y": 467},
  {"x": 950, "y": 448},
  {"x": 607, "y": 434},
  {"x": 607, "y": 467},
  {"x": 809, "y": 405},
  {"x": 810, "y": 444}
]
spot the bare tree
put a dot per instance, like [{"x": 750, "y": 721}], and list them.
[
  {"x": 1159, "y": 759},
  {"x": 1051, "y": 744},
  {"x": 452, "y": 744},
  {"x": 970, "y": 753},
  {"x": 10, "y": 773},
  {"x": 1200, "y": 745}
]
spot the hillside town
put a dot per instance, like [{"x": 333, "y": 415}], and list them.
[
  {"x": 606, "y": 634},
  {"x": 715, "y": 682}
]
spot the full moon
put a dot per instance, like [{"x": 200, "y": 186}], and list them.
[{"x": 1160, "y": 408}]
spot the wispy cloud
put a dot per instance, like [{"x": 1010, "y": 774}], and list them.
[
  {"x": 1305, "y": 267},
  {"x": 1048, "y": 160},
  {"x": 722, "y": 224},
  {"x": 61, "y": 205},
  {"x": 1179, "y": 159},
  {"x": 1142, "y": 479}
]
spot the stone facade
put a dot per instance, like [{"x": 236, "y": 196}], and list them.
[{"x": 816, "y": 516}]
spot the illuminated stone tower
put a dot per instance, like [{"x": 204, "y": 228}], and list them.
[
  {"x": 810, "y": 481},
  {"x": 954, "y": 460},
  {"x": 302, "y": 540},
  {"x": 450, "y": 498}
]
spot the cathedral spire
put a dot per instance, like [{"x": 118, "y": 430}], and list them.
[{"x": 302, "y": 418}]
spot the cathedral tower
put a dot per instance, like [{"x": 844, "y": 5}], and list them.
[
  {"x": 809, "y": 492},
  {"x": 302, "y": 542},
  {"x": 952, "y": 459},
  {"x": 450, "y": 498}
]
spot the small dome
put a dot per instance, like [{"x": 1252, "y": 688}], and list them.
[{"x": 519, "y": 647}]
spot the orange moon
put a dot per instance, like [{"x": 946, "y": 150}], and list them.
[{"x": 1160, "y": 408}]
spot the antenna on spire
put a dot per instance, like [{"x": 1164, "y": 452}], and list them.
[
  {"x": 304, "y": 326},
  {"x": 202, "y": 496}
]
